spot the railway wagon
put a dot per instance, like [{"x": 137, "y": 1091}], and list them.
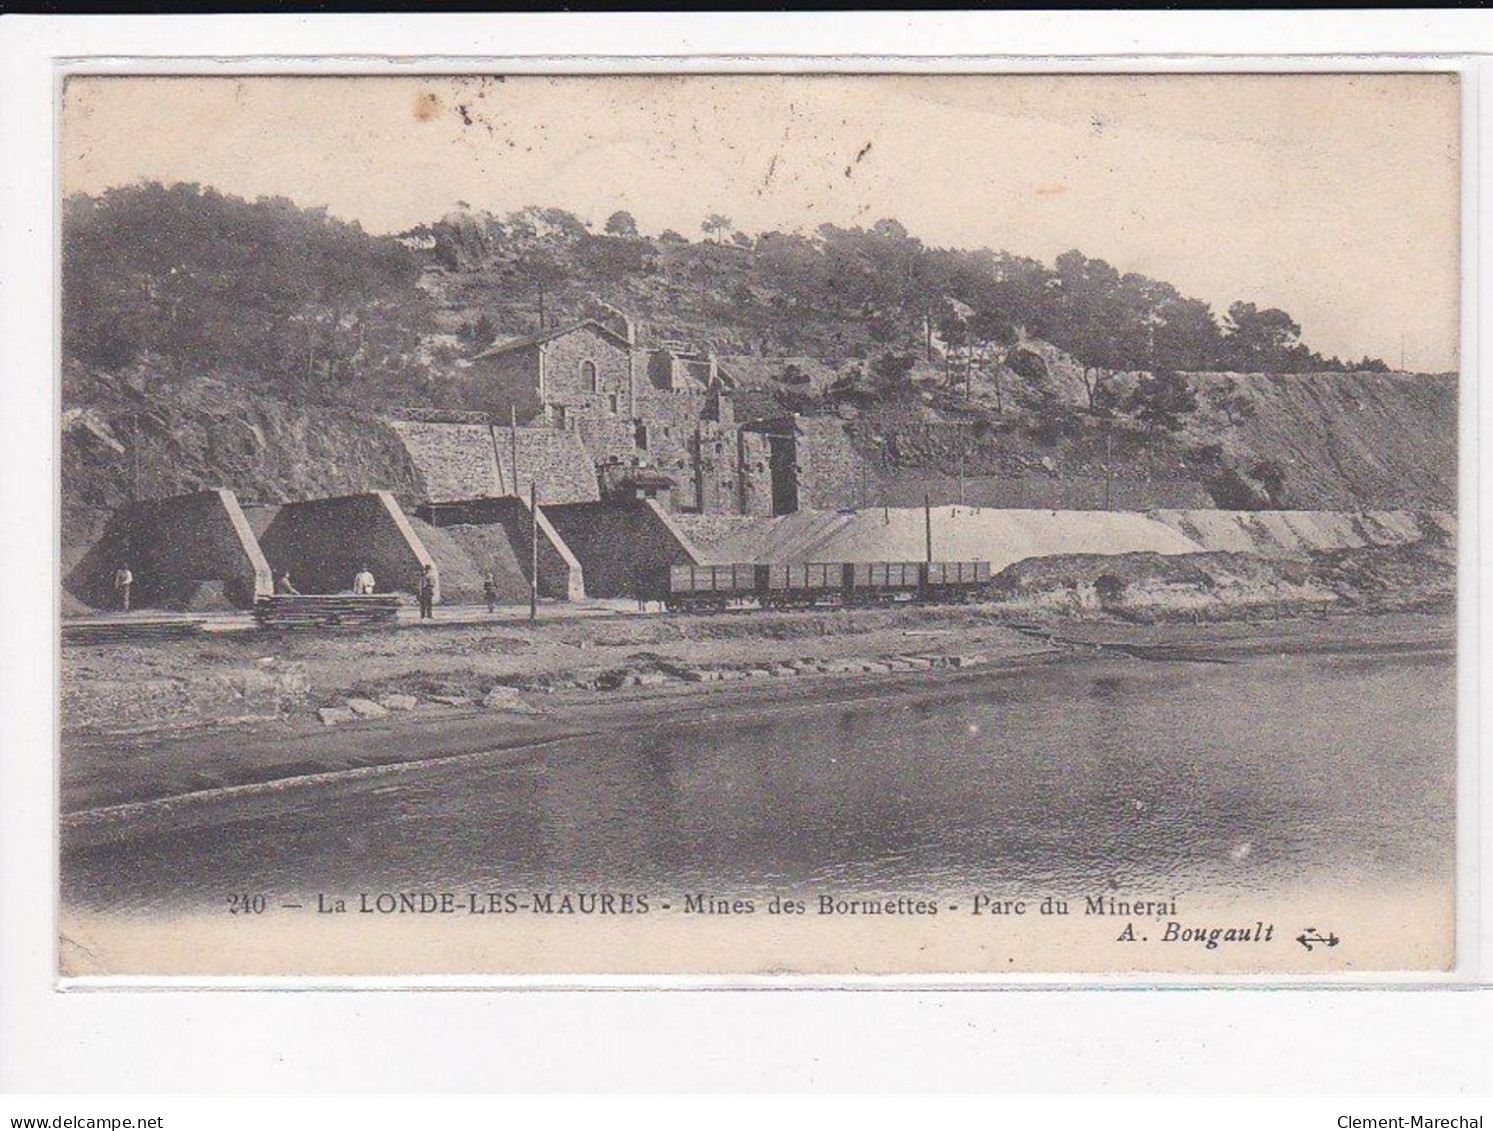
[
  {"x": 955, "y": 581},
  {"x": 706, "y": 587},
  {"x": 710, "y": 586},
  {"x": 874, "y": 582},
  {"x": 804, "y": 583}
]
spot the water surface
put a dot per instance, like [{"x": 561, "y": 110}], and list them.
[{"x": 1080, "y": 776}]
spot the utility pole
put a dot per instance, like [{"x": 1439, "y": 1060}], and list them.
[
  {"x": 513, "y": 445},
  {"x": 699, "y": 469},
  {"x": 1109, "y": 464},
  {"x": 135, "y": 456},
  {"x": 533, "y": 552},
  {"x": 928, "y": 524},
  {"x": 961, "y": 463},
  {"x": 129, "y": 540}
]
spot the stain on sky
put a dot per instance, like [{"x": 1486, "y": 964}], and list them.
[
  {"x": 772, "y": 167},
  {"x": 859, "y": 157}
]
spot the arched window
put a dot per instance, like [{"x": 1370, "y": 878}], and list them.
[{"x": 588, "y": 376}]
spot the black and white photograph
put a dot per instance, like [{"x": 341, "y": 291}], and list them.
[{"x": 758, "y": 524}]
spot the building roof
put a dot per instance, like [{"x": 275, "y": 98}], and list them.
[{"x": 549, "y": 335}]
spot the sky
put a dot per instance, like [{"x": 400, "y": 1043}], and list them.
[{"x": 1334, "y": 197}]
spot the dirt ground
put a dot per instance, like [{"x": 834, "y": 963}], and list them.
[{"x": 242, "y": 676}]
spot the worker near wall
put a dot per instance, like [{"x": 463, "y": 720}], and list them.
[
  {"x": 427, "y": 593},
  {"x": 490, "y": 593},
  {"x": 363, "y": 583},
  {"x": 123, "y": 579},
  {"x": 283, "y": 585},
  {"x": 640, "y": 586}
]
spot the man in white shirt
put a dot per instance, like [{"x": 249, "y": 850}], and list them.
[
  {"x": 123, "y": 579},
  {"x": 363, "y": 583}
]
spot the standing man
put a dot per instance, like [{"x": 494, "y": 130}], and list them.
[
  {"x": 363, "y": 583},
  {"x": 490, "y": 592},
  {"x": 123, "y": 579},
  {"x": 427, "y": 593}
]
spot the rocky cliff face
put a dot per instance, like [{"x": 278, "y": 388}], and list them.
[
  {"x": 1347, "y": 441},
  {"x": 127, "y": 429},
  {"x": 1312, "y": 441}
]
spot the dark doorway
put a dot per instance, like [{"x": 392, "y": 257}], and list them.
[{"x": 783, "y": 464}]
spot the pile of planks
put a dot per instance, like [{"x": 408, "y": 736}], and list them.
[
  {"x": 326, "y": 610},
  {"x": 128, "y": 631}
]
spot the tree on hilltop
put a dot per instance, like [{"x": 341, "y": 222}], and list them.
[
  {"x": 621, "y": 223},
  {"x": 716, "y": 226},
  {"x": 1259, "y": 341},
  {"x": 288, "y": 297},
  {"x": 1084, "y": 317}
]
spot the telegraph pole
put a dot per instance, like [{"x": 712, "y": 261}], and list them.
[
  {"x": 928, "y": 524},
  {"x": 1109, "y": 463},
  {"x": 513, "y": 445},
  {"x": 961, "y": 463},
  {"x": 135, "y": 456},
  {"x": 129, "y": 539},
  {"x": 533, "y": 552}
]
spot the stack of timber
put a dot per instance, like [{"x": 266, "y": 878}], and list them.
[
  {"x": 329, "y": 610},
  {"x": 128, "y": 631}
]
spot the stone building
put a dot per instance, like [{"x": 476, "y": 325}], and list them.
[
  {"x": 666, "y": 409},
  {"x": 581, "y": 376},
  {"x": 656, "y": 421},
  {"x": 792, "y": 463}
]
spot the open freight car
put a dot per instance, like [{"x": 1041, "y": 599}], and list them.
[
  {"x": 805, "y": 583},
  {"x": 949, "y": 582},
  {"x": 799, "y": 584},
  {"x": 706, "y": 588}
]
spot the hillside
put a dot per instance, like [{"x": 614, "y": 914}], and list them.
[
  {"x": 208, "y": 432},
  {"x": 254, "y": 345},
  {"x": 1334, "y": 441},
  {"x": 1347, "y": 441},
  {"x": 838, "y": 295}
]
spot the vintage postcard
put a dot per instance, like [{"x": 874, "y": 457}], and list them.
[{"x": 758, "y": 524}]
